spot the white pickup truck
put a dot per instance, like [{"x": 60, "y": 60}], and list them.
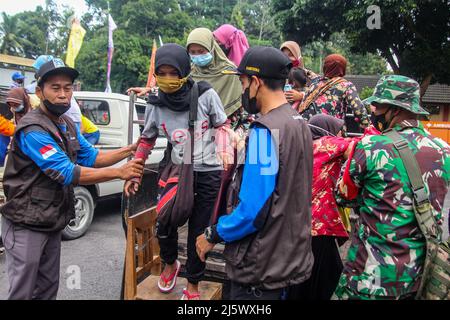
[{"x": 110, "y": 113}]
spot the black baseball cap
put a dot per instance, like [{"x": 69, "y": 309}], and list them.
[
  {"x": 263, "y": 62},
  {"x": 55, "y": 66}
]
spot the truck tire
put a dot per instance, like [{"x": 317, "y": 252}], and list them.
[{"x": 84, "y": 213}]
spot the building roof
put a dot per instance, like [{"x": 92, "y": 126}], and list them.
[
  {"x": 361, "y": 82},
  {"x": 436, "y": 93}
]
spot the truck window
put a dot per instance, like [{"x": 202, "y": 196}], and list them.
[
  {"x": 96, "y": 110},
  {"x": 140, "y": 110}
]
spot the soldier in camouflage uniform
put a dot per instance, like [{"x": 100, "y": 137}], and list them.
[{"x": 387, "y": 252}]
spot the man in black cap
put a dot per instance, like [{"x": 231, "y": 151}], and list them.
[
  {"x": 268, "y": 234},
  {"x": 48, "y": 158}
]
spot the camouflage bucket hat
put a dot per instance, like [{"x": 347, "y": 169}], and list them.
[{"x": 399, "y": 91}]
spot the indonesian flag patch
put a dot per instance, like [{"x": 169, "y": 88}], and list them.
[{"x": 47, "y": 151}]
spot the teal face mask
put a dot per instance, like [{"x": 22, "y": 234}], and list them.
[{"x": 202, "y": 60}]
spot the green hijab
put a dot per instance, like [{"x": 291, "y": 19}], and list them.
[{"x": 227, "y": 87}]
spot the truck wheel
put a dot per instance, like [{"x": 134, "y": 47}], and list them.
[{"x": 84, "y": 213}]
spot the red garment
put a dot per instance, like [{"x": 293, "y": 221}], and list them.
[
  {"x": 328, "y": 159},
  {"x": 145, "y": 147},
  {"x": 347, "y": 187}
]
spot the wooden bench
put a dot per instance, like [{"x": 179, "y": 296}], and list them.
[{"x": 143, "y": 264}]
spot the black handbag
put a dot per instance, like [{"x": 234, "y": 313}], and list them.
[{"x": 176, "y": 182}]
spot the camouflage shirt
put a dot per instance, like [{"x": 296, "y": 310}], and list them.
[{"x": 387, "y": 251}]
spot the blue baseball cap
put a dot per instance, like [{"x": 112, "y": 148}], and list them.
[
  {"x": 17, "y": 76},
  {"x": 41, "y": 60}
]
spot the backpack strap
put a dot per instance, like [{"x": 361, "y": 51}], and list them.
[
  {"x": 317, "y": 92},
  {"x": 422, "y": 208},
  {"x": 193, "y": 112}
]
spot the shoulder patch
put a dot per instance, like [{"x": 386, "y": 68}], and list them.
[{"x": 47, "y": 151}]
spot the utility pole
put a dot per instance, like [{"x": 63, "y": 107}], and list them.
[
  {"x": 222, "y": 22},
  {"x": 263, "y": 18},
  {"x": 48, "y": 28}
]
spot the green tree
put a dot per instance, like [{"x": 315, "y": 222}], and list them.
[
  {"x": 364, "y": 64},
  {"x": 208, "y": 13},
  {"x": 237, "y": 18},
  {"x": 413, "y": 37},
  {"x": 63, "y": 24},
  {"x": 260, "y": 23},
  {"x": 366, "y": 92},
  {"x": 32, "y": 33},
  {"x": 33, "y": 27},
  {"x": 11, "y": 42},
  {"x": 139, "y": 22}
]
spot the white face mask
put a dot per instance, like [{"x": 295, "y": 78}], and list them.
[{"x": 19, "y": 108}]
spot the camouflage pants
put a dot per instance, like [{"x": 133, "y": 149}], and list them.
[{"x": 343, "y": 292}]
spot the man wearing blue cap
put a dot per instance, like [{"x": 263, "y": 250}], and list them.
[
  {"x": 31, "y": 88},
  {"x": 48, "y": 158},
  {"x": 74, "y": 111},
  {"x": 18, "y": 79}
]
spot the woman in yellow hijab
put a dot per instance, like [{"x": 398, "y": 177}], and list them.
[{"x": 208, "y": 62}]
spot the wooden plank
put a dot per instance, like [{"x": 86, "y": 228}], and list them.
[
  {"x": 130, "y": 264},
  {"x": 148, "y": 290},
  {"x": 141, "y": 244},
  {"x": 140, "y": 250},
  {"x": 18, "y": 61}
]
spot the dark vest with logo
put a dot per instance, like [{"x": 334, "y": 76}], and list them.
[
  {"x": 34, "y": 199},
  {"x": 279, "y": 254}
]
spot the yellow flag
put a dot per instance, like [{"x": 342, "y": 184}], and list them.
[
  {"x": 151, "y": 80},
  {"x": 75, "y": 41}
]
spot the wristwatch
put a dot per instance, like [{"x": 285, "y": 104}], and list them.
[{"x": 211, "y": 235}]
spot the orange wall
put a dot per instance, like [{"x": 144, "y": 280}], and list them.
[{"x": 439, "y": 129}]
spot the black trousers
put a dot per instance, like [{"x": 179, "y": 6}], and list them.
[
  {"x": 206, "y": 188},
  {"x": 242, "y": 292},
  {"x": 325, "y": 275}
]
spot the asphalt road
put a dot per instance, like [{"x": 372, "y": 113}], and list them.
[{"x": 97, "y": 258}]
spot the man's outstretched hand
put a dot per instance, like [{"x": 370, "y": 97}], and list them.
[
  {"x": 133, "y": 169},
  {"x": 140, "y": 91}
]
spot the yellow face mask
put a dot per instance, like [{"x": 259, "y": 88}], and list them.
[{"x": 170, "y": 85}]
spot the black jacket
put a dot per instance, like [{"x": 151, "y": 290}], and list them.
[
  {"x": 279, "y": 254},
  {"x": 34, "y": 199}
]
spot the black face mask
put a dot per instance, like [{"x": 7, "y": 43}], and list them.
[
  {"x": 224, "y": 49},
  {"x": 56, "y": 109},
  {"x": 380, "y": 121},
  {"x": 248, "y": 103}
]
